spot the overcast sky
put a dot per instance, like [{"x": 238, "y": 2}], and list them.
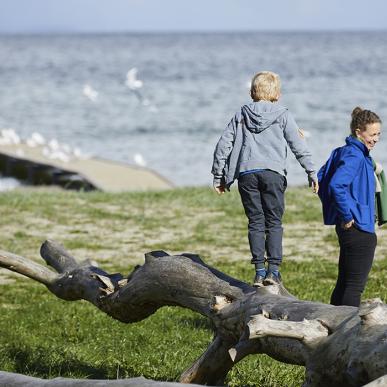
[{"x": 41, "y": 16}]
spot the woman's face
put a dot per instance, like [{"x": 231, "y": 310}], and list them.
[{"x": 369, "y": 136}]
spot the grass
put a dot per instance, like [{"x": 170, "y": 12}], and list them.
[{"x": 44, "y": 336}]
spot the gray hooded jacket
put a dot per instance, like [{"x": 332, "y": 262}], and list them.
[{"x": 257, "y": 138}]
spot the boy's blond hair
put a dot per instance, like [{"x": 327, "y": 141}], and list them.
[{"x": 265, "y": 85}]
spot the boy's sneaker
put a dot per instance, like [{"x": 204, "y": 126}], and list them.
[
  {"x": 272, "y": 278},
  {"x": 260, "y": 275}
]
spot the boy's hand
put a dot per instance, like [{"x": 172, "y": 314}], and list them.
[
  {"x": 314, "y": 184},
  {"x": 219, "y": 188},
  {"x": 315, "y": 187}
]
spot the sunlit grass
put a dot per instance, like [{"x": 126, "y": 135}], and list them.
[{"x": 44, "y": 336}]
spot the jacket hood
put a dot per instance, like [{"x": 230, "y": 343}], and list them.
[{"x": 258, "y": 116}]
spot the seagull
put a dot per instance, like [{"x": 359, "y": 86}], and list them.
[
  {"x": 131, "y": 79},
  {"x": 139, "y": 160},
  {"x": 56, "y": 151},
  {"x": 63, "y": 152},
  {"x": 38, "y": 138},
  {"x": 53, "y": 144},
  {"x": 90, "y": 93},
  {"x": 9, "y": 137},
  {"x": 31, "y": 143},
  {"x": 134, "y": 84},
  {"x": 80, "y": 155},
  {"x": 59, "y": 155}
]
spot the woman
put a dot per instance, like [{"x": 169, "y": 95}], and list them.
[{"x": 347, "y": 192}]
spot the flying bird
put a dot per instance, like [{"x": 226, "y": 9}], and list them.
[
  {"x": 131, "y": 79},
  {"x": 90, "y": 93}
]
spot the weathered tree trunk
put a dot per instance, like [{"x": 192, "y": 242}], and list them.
[
  {"x": 339, "y": 346},
  {"x": 380, "y": 382},
  {"x": 9, "y": 379}
]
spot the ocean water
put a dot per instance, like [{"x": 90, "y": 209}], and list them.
[{"x": 72, "y": 88}]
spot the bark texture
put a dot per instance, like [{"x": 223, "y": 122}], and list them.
[{"x": 339, "y": 346}]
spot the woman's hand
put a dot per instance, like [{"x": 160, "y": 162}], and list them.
[{"x": 348, "y": 225}]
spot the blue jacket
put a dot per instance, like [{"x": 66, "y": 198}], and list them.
[
  {"x": 347, "y": 186},
  {"x": 257, "y": 138}
]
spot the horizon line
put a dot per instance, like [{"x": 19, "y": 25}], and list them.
[{"x": 182, "y": 31}]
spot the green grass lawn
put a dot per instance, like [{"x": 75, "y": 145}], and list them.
[{"x": 44, "y": 336}]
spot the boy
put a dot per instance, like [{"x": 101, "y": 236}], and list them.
[{"x": 253, "y": 149}]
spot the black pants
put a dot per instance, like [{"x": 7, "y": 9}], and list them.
[
  {"x": 357, "y": 249},
  {"x": 262, "y": 195}
]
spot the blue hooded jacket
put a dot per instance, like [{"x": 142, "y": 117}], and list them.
[{"x": 347, "y": 186}]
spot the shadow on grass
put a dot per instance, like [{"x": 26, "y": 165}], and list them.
[
  {"x": 33, "y": 363},
  {"x": 195, "y": 322}
]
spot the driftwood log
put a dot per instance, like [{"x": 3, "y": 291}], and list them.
[
  {"x": 338, "y": 345},
  {"x": 9, "y": 379}
]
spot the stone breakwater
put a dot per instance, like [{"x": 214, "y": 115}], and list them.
[{"x": 30, "y": 165}]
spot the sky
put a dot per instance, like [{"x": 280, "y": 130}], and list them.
[{"x": 47, "y": 16}]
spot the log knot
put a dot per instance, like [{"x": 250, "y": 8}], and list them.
[
  {"x": 219, "y": 302},
  {"x": 373, "y": 312}
]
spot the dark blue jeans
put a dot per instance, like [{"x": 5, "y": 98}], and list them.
[
  {"x": 262, "y": 195},
  {"x": 357, "y": 249}
]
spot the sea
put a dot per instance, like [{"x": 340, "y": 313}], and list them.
[{"x": 162, "y": 100}]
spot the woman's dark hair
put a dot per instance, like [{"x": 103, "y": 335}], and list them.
[{"x": 361, "y": 118}]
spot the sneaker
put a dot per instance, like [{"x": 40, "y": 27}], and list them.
[
  {"x": 272, "y": 278},
  {"x": 259, "y": 277}
]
